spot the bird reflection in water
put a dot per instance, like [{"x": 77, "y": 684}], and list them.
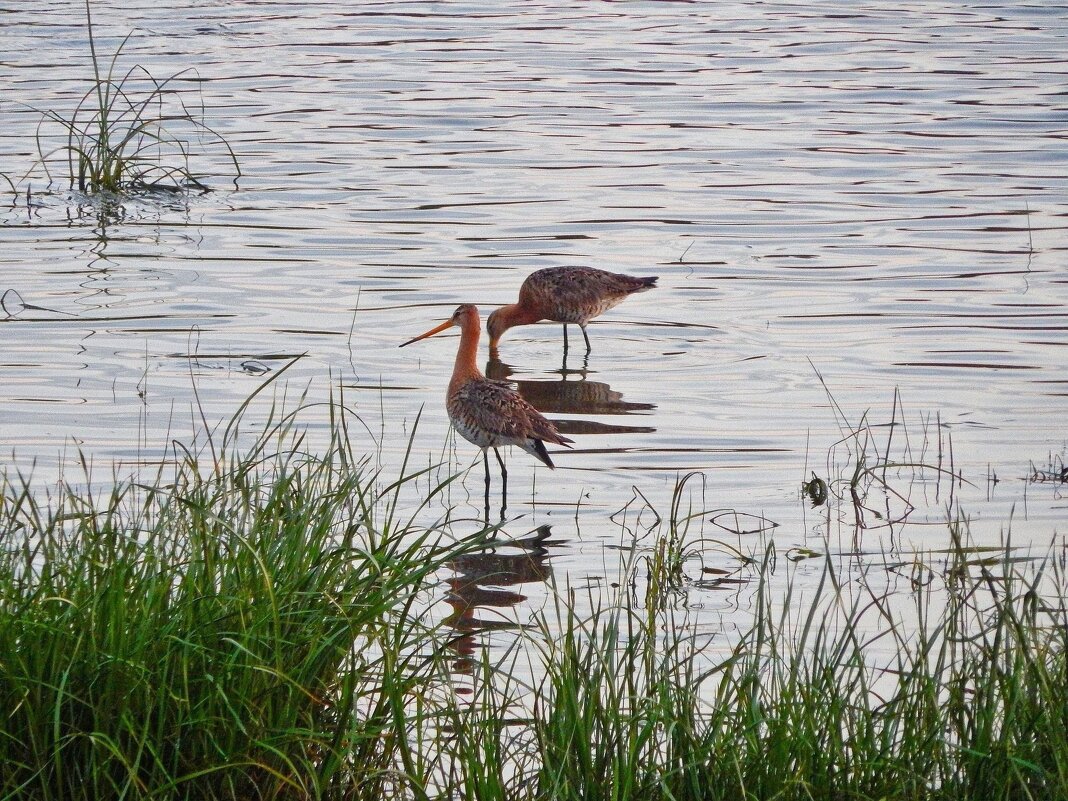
[
  {"x": 574, "y": 393},
  {"x": 485, "y": 579}
]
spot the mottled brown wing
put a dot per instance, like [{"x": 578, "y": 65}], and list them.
[
  {"x": 576, "y": 294},
  {"x": 502, "y": 412}
]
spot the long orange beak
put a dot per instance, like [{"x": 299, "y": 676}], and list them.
[{"x": 447, "y": 324}]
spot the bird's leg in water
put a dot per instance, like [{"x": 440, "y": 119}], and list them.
[
  {"x": 504, "y": 486},
  {"x": 485, "y": 461},
  {"x": 504, "y": 470},
  {"x": 587, "y": 338},
  {"x": 565, "y": 339}
]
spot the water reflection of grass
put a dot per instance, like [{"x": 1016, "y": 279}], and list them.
[{"x": 251, "y": 623}]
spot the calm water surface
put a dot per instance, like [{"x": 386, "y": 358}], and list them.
[{"x": 873, "y": 193}]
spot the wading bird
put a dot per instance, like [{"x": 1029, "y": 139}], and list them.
[
  {"x": 490, "y": 413},
  {"x": 565, "y": 295}
]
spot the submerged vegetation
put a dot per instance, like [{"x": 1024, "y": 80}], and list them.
[
  {"x": 129, "y": 132},
  {"x": 259, "y": 622}
]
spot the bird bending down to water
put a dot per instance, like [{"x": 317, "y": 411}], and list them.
[
  {"x": 490, "y": 413},
  {"x": 565, "y": 295}
]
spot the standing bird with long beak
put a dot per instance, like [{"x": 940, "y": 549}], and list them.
[
  {"x": 490, "y": 413},
  {"x": 565, "y": 295}
]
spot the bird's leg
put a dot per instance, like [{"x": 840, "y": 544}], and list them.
[
  {"x": 565, "y": 339},
  {"x": 485, "y": 461},
  {"x": 504, "y": 470},
  {"x": 587, "y": 338},
  {"x": 504, "y": 485}
]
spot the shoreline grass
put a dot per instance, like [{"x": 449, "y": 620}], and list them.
[
  {"x": 973, "y": 704},
  {"x": 240, "y": 629},
  {"x": 255, "y": 623}
]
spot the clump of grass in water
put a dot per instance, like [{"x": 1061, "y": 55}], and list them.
[
  {"x": 120, "y": 140},
  {"x": 972, "y": 703},
  {"x": 243, "y": 628}
]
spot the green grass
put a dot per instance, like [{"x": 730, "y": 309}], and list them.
[
  {"x": 245, "y": 627},
  {"x": 129, "y": 132},
  {"x": 255, "y": 621},
  {"x": 971, "y": 703}
]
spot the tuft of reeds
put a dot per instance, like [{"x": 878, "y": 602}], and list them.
[
  {"x": 129, "y": 132},
  {"x": 942, "y": 676},
  {"x": 247, "y": 624},
  {"x": 955, "y": 689}
]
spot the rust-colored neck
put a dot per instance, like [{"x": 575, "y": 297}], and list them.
[
  {"x": 509, "y": 316},
  {"x": 466, "y": 366},
  {"x": 520, "y": 314}
]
